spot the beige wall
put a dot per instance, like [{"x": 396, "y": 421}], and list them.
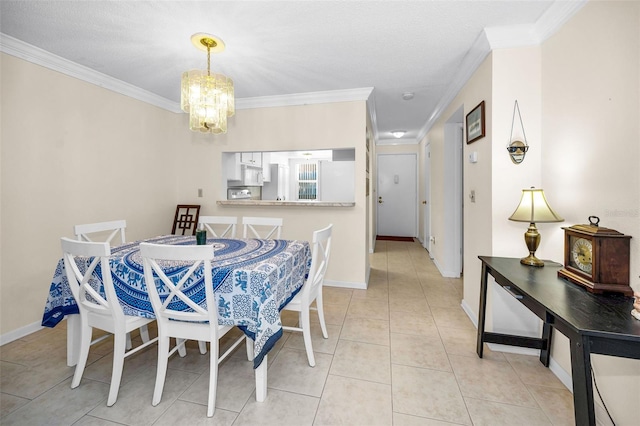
[
  {"x": 284, "y": 129},
  {"x": 476, "y": 176},
  {"x": 591, "y": 153},
  {"x": 579, "y": 95},
  {"x": 73, "y": 152}
]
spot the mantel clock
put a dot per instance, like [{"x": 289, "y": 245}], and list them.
[{"x": 597, "y": 258}]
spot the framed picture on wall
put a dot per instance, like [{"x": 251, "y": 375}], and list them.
[{"x": 475, "y": 123}]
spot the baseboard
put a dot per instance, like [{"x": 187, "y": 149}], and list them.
[
  {"x": 345, "y": 284},
  {"x": 20, "y": 333},
  {"x": 563, "y": 375},
  {"x": 496, "y": 347},
  {"x": 472, "y": 315},
  {"x": 435, "y": 262},
  {"x": 366, "y": 279}
]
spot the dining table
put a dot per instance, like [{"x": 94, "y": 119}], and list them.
[{"x": 253, "y": 280}]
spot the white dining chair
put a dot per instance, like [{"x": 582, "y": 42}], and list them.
[
  {"x": 226, "y": 229},
  {"x": 90, "y": 232},
  {"x": 312, "y": 290},
  {"x": 196, "y": 323},
  {"x": 98, "y": 311},
  {"x": 262, "y": 227},
  {"x": 115, "y": 226}
]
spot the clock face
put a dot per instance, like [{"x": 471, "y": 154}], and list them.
[{"x": 581, "y": 254}]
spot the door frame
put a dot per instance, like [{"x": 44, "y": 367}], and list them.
[
  {"x": 426, "y": 243},
  {"x": 453, "y": 183},
  {"x": 415, "y": 194}
]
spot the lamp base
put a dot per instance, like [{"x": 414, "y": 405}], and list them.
[{"x": 531, "y": 260}]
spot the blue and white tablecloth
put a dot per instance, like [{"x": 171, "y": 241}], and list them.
[{"x": 253, "y": 280}]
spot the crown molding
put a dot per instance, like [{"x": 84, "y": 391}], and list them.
[
  {"x": 310, "y": 98},
  {"x": 555, "y": 17},
  {"x": 511, "y": 36},
  {"x": 14, "y": 47},
  {"x": 330, "y": 96},
  {"x": 30, "y": 53},
  {"x": 491, "y": 38},
  {"x": 470, "y": 63},
  {"x": 501, "y": 38}
]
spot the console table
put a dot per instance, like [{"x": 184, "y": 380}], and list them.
[{"x": 599, "y": 324}]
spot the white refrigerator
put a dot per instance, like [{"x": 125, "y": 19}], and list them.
[
  {"x": 336, "y": 181},
  {"x": 278, "y": 187}
]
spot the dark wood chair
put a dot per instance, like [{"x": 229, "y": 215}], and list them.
[{"x": 186, "y": 220}]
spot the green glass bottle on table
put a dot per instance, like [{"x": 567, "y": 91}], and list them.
[{"x": 201, "y": 236}]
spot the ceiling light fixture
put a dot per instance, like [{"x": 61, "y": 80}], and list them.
[
  {"x": 407, "y": 96},
  {"x": 398, "y": 133},
  {"x": 208, "y": 98}
]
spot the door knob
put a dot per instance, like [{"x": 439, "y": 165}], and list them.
[
  {"x": 380, "y": 200},
  {"x": 424, "y": 202}
]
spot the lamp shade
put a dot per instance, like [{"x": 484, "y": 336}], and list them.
[{"x": 533, "y": 208}]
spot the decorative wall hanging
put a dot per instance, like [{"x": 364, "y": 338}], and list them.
[
  {"x": 517, "y": 149},
  {"x": 475, "y": 123}
]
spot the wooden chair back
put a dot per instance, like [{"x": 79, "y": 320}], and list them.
[{"x": 185, "y": 222}]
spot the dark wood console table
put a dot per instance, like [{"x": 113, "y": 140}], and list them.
[{"x": 599, "y": 324}]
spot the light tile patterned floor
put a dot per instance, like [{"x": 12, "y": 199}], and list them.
[{"x": 400, "y": 353}]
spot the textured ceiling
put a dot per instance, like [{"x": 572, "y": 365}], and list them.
[{"x": 274, "y": 47}]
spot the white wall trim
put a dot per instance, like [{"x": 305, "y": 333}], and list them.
[
  {"x": 345, "y": 284},
  {"x": 563, "y": 375},
  {"x": 511, "y": 36},
  {"x": 470, "y": 63},
  {"x": 20, "y": 332},
  {"x": 491, "y": 38},
  {"x": 361, "y": 94},
  {"x": 470, "y": 313},
  {"x": 443, "y": 272},
  {"x": 555, "y": 17},
  {"x": 500, "y": 38},
  {"x": 14, "y": 47}
]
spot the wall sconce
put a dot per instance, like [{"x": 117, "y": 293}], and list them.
[
  {"x": 516, "y": 148},
  {"x": 533, "y": 208}
]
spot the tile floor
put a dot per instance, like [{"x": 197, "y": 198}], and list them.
[{"x": 400, "y": 353}]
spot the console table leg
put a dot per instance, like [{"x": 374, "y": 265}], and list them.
[
  {"x": 482, "y": 309},
  {"x": 582, "y": 382},
  {"x": 547, "y": 332}
]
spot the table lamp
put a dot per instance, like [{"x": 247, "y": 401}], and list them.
[{"x": 533, "y": 208}]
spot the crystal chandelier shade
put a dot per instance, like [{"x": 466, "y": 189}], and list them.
[{"x": 208, "y": 98}]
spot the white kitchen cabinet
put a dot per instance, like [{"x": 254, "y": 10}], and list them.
[
  {"x": 251, "y": 159},
  {"x": 241, "y": 174}
]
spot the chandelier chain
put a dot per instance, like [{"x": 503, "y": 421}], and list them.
[{"x": 208, "y": 60}]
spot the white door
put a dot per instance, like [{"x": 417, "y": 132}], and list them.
[{"x": 397, "y": 195}]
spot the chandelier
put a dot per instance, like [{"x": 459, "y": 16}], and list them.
[{"x": 207, "y": 97}]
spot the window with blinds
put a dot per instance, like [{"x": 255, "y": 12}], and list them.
[{"x": 307, "y": 174}]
